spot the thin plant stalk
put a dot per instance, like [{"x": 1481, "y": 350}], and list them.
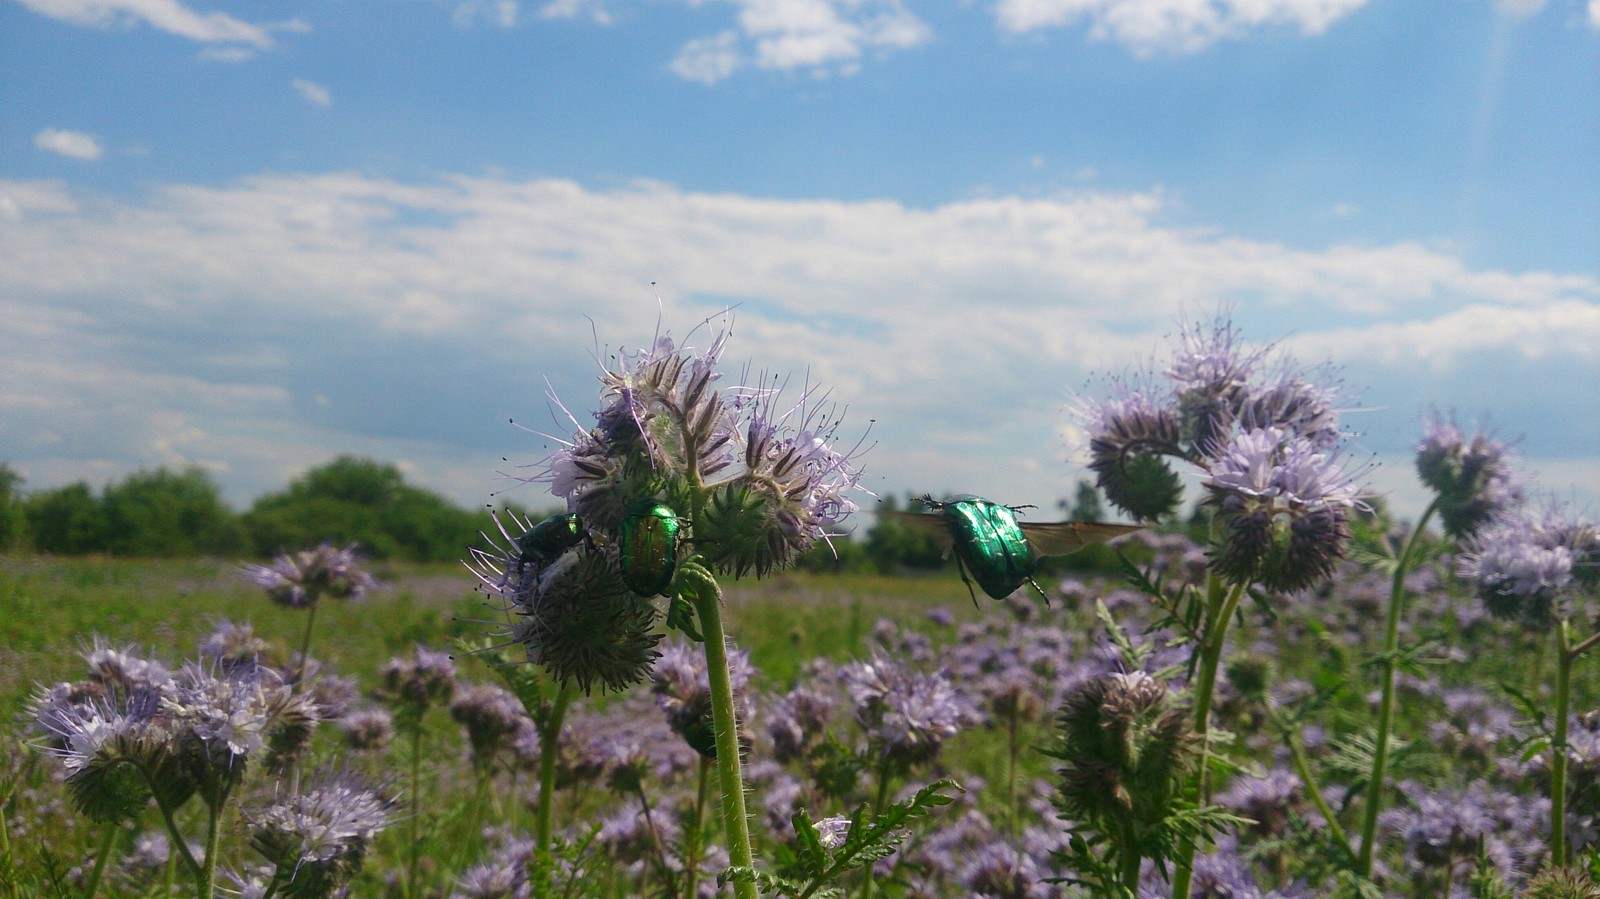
[
  {"x": 1391, "y": 649},
  {"x": 549, "y": 740},
  {"x": 655, "y": 842},
  {"x": 877, "y": 809},
  {"x": 305, "y": 646},
  {"x": 691, "y": 859},
  {"x": 1302, "y": 767},
  {"x": 735, "y": 820},
  {"x": 1558, "y": 746},
  {"x": 1221, "y": 602},
  {"x": 415, "y": 849},
  {"x": 179, "y": 844},
  {"x": 1011, "y": 774},
  {"x": 208, "y": 875},
  {"x": 102, "y": 855}
]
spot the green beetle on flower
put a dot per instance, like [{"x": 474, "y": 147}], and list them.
[
  {"x": 648, "y": 548},
  {"x": 547, "y": 540},
  {"x": 1000, "y": 552}
]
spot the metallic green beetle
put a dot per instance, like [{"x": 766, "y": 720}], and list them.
[
  {"x": 648, "y": 548},
  {"x": 1002, "y": 553},
  {"x": 547, "y": 540}
]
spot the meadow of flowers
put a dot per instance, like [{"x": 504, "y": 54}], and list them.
[{"x": 1306, "y": 699}]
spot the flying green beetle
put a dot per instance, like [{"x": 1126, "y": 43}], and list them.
[
  {"x": 546, "y": 541},
  {"x": 1002, "y": 553},
  {"x": 648, "y": 548}
]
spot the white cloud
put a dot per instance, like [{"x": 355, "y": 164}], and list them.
[
  {"x": 593, "y": 10},
  {"x": 1594, "y": 13},
  {"x": 818, "y": 36},
  {"x": 314, "y": 93},
  {"x": 342, "y": 312},
  {"x": 75, "y": 144},
  {"x": 708, "y": 59},
  {"x": 165, "y": 15},
  {"x": 500, "y": 13},
  {"x": 1172, "y": 26}
]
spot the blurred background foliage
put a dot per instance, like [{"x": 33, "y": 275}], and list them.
[{"x": 160, "y": 513}]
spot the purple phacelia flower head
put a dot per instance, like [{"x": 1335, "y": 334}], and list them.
[
  {"x": 908, "y": 715},
  {"x": 1523, "y": 563},
  {"x": 1284, "y": 506},
  {"x": 317, "y": 837},
  {"x": 1216, "y": 390},
  {"x": 297, "y": 580},
  {"x": 1471, "y": 475}
]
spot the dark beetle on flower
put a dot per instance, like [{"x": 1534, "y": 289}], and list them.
[
  {"x": 648, "y": 548},
  {"x": 547, "y": 540},
  {"x": 1000, "y": 552}
]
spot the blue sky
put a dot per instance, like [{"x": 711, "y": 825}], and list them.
[{"x": 253, "y": 236}]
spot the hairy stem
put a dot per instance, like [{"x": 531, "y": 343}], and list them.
[
  {"x": 549, "y": 748},
  {"x": 735, "y": 820},
  {"x": 1391, "y": 648},
  {"x": 208, "y": 873},
  {"x": 1220, "y": 606}
]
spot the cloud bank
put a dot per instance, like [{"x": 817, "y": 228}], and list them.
[{"x": 260, "y": 327}]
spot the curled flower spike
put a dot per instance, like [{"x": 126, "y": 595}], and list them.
[
  {"x": 1126, "y": 748},
  {"x": 1472, "y": 476},
  {"x": 583, "y": 624},
  {"x": 791, "y": 493},
  {"x": 113, "y": 749},
  {"x": 1215, "y": 390},
  {"x": 1284, "y": 507},
  {"x": 297, "y": 580},
  {"x": 1129, "y": 436}
]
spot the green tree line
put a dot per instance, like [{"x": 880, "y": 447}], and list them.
[{"x": 176, "y": 514}]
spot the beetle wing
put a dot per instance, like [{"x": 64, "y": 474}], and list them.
[
  {"x": 932, "y": 525},
  {"x": 1059, "y": 538}
]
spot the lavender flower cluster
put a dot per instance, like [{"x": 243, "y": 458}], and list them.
[{"x": 1263, "y": 434}]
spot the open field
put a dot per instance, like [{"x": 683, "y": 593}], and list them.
[{"x": 1462, "y": 731}]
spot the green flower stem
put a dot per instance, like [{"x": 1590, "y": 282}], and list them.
[
  {"x": 735, "y": 820},
  {"x": 415, "y": 849},
  {"x": 1011, "y": 774},
  {"x": 1220, "y": 606},
  {"x": 100, "y": 858},
  {"x": 305, "y": 647},
  {"x": 1128, "y": 855},
  {"x": 1391, "y": 649},
  {"x": 549, "y": 748},
  {"x": 179, "y": 844},
  {"x": 208, "y": 873},
  {"x": 1558, "y": 746},
  {"x": 691, "y": 852},
  {"x": 877, "y": 809},
  {"x": 1302, "y": 767},
  {"x": 655, "y": 842}
]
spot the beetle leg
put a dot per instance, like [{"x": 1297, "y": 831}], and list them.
[
  {"x": 962, "y": 570},
  {"x": 1040, "y": 590}
]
